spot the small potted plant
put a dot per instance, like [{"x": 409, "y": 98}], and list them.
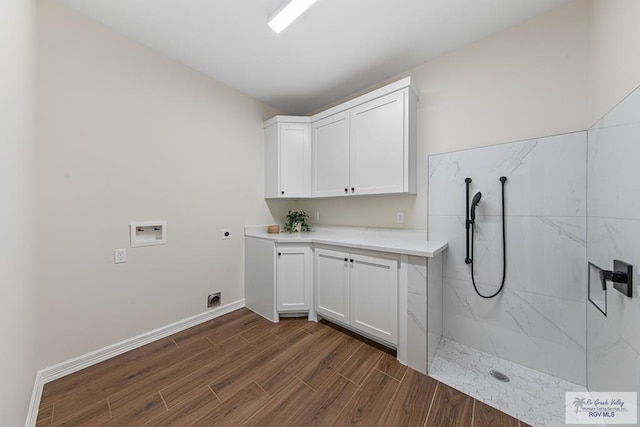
[{"x": 296, "y": 222}]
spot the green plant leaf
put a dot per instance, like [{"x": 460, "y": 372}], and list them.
[{"x": 295, "y": 218}]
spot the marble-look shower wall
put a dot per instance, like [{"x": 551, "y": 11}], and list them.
[
  {"x": 613, "y": 218},
  {"x": 424, "y": 310},
  {"x": 539, "y": 319}
]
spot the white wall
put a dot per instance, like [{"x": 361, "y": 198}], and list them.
[
  {"x": 614, "y": 47},
  {"x": 17, "y": 223},
  {"x": 126, "y": 134},
  {"x": 525, "y": 82}
]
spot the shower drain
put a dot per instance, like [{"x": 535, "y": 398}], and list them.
[{"x": 499, "y": 376}]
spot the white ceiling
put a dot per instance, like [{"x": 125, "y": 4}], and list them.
[{"x": 336, "y": 48}]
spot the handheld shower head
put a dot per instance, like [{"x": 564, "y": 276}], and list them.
[{"x": 474, "y": 203}]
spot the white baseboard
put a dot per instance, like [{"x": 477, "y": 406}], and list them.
[
  {"x": 52, "y": 373},
  {"x": 34, "y": 404}
]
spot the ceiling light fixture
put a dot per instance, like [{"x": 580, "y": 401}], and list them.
[{"x": 287, "y": 13}]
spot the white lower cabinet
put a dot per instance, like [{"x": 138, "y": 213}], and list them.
[
  {"x": 332, "y": 284},
  {"x": 278, "y": 278},
  {"x": 294, "y": 278},
  {"x": 359, "y": 291},
  {"x": 373, "y": 296}
]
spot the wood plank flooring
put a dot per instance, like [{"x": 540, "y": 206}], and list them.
[{"x": 242, "y": 370}]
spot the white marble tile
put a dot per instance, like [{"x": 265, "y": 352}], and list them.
[
  {"x": 417, "y": 332},
  {"x": 612, "y": 184},
  {"x": 613, "y": 342},
  {"x": 434, "y": 307},
  {"x": 545, "y": 255},
  {"x": 625, "y": 113},
  {"x": 546, "y": 177},
  {"x": 417, "y": 275},
  {"x": 447, "y": 173},
  {"x": 531, "y": 396},
  {"x": 544, "y": 333},
  {"x": 611, "y": 239},
  {"x": 613, "y": 363},
  {"x": 551, "y": 180},
  {"x": 623, "y": 316},
  {"x": 417, "y": 313}
]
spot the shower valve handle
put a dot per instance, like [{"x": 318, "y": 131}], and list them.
[{"x": 612, "y": 276}]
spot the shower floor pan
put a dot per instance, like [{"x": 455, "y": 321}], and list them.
[{"x": 532, "y": 397}]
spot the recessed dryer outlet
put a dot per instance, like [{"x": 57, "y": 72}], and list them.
[{"x": 148, "y": 233}]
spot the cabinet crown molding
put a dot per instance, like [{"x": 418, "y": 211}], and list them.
[
  {"x": 286, "y": 119},
  {"x": 406, "y": 82}
]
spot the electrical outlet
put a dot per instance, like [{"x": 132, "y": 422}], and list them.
[
  {"x": 400, "y": 217},
  {"x": 214, "y": 299},
  {"x": 226, "y": 233},
  {"x": 119, "y": 256}
]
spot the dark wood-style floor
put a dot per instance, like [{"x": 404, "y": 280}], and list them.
[{"x": 242, "y": 370}]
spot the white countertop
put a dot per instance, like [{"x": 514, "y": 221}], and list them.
[{"x": 407, "y": 242}]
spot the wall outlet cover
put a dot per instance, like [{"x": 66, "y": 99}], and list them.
[{"x": 119, "y": 256}]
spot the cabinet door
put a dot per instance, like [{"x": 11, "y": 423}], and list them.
[
  {"x": 295, "y": 160},
  {"x": 374, "y": 296},
  {"x": 332, "y": 284},
  {"x": 294, "y": 277},
  {"x": 330, "y": 156},
  {"x": 379, "y": 145}
]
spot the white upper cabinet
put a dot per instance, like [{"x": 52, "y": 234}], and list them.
[
  {"x": 379, "y": 148},
  {"x": 287, "y": 157},
  {"x": 330, "y": 156},
  {"x": 364, "y": 146}
]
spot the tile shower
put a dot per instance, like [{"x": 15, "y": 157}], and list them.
[{"x": 569, "y": 198}]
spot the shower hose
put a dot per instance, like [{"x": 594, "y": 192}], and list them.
[{"x": 504, "y": 252}]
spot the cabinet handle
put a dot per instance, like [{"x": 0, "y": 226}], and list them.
[
  {"x": 353, "y": 189},
  {"x": 279, "y": 253},
  {"x": 282, "y": 192},
  {"x": 351, "y": 260},
  {"x": 345, "y": 260},
  {"x": 346, "y": 190}
]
